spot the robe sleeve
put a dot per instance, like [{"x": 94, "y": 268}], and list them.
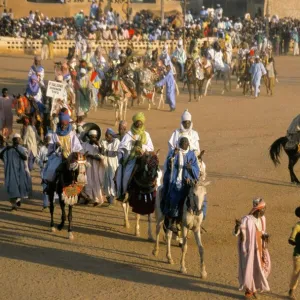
[
  {"x": 194, "y": 173},
  {"x": 163, "y": 81},
  {"x": 149, "y": 145}
]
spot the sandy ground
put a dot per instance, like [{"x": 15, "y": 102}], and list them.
[{"x": 106, "y": 261}]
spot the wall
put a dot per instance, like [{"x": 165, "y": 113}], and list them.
[
  {"x": 20, "y": 46},
  {"x": 289, "y": 8}
]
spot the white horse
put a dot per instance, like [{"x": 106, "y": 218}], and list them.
[{"x": 191, "y": 220}]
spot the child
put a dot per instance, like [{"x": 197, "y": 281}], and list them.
[
  {"x": 41, "y": 160},
  {"x": 294, "y": 240}
]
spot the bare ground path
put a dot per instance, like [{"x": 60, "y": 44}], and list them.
[{"x": 106, "y": 261}]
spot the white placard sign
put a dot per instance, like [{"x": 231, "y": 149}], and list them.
[{"x": 55, "y": 90}]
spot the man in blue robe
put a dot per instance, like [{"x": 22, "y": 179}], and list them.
[
  {"x": 257, "y": 70},
  {"x": 182, "y": 170},
  {"x": 170, "y": 83}
]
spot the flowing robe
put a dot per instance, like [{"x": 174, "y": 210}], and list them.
[
  {"x": 95, "y": 173},
  {"x": 17, "y": 177},
  {"x": 111, "y": 164},
  {"x": 127, "y": 165},
  {"x": 174, "y": 195},
  {"x": 254, "y": 258},
  {"x": 170, "y": 83},
  {"x": 257, "y": 70}
]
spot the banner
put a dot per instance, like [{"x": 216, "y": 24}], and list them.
[{"x": 55, "y": 90}]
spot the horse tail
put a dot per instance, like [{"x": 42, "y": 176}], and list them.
[{"x": 275, "y": 150}]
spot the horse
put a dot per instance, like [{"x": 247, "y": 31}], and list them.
[
  {"x": 191, "y": 219},
  {"x": 69, "y": 180},
  {"x": 293, "y": 155},
  {"x": 142, "y": 190}
]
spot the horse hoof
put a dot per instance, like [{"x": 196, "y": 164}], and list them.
[
  {"x": 52, "y": 229},
  {"x": 127, "y": 225},
  {"x": 151, "y": 239},
  {"x": 203, "y": 275},
  {"x": 137, "y": 234},
  {"x": 60, "y": 226},
  {"x": 155, "y": 252},
  {"x": 70, "y": 236},
  {"x": 183, "y": 271}
]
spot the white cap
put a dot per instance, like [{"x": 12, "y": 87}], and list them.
[
  {"x": 16, "y": 135},
  {"x": 82, "y": 71},
  {"x": 59, "y": 78},
  {"x": 93, "y": 132},
  {"x": 186, "y": 116}
]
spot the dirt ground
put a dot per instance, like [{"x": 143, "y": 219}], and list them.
[{"x": 106, "y": 261}]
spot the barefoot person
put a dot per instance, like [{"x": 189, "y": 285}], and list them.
[
  {"x": 294, "y": 240},
  {"x": 17, "y": 177},
  {"x": 254, "y": 258}
]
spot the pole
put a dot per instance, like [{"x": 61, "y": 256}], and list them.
[
  {"x": 267, "y": 18},
  {"x": 162, "y": 11},
  {"x": 184, "y": 13}
]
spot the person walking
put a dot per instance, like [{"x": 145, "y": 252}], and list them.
[
  {"x": 257, "y": 70},
  {"x": 6, "y": 114},
  {"x": 294, "y": 240},
  {"x": 254, "y": 259},
  {"x": 170, "y": 83},
  {"x": 45, "y": 48},
  {"x": 270, "y": 76},
  {"x": 295, "y": 38}
]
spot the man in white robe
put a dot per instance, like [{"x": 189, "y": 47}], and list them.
[
  {"x": 134, "y": 143},
  {"x": 95, "y": 173},
  {"x": 185, "y": 130},
  {"x": 111, "y": 163}
]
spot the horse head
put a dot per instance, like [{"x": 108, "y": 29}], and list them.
[
  {"x": 77, "y": 163},
  {"x": 202, "y": 166}
]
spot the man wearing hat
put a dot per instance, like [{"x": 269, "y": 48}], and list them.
[
  {"x": 95, "y": 173},
  {"x": 17, "y": 177},
  {"x": 37, "y": 69},
  {"x": 254, "y": 258},
  {"x": 135, "y": 142},
  {"x": 257, "y": 71},
  {"x": 180, "y": 56},
  {"x": 186, "y": 130},
  {"x": 82, "y": 92}
]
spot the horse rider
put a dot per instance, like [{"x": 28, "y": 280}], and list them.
[
  {"x": 180, "y": 56},
  {"x": 216, "y": 56},
  {"x": 37, "y": 69},
  {"x": 134, "y": 143}
]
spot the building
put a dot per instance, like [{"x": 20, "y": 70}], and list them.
[{"x": 54, "y": 8}]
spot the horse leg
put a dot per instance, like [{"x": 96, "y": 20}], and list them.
[
  {"x": 159, "y": 222},
  {"x": 195, "y": 91},
  {"x": 63, "y": 213},
  {"x": 150, "y": 235},
  {"x": 207, "y": 85},
  {"x": 51, "y": 200},
  {"x": 116, "y": 114},
  {"x": 190, "y": 91},
  {"x": 292, "y": 162},
  {"x": 203, "y": 273},
  {"x": 183, "y": 249},
  {"x": 137, "y": 225},
  {"x": 169, "y": 240},
  {"x": 125, "y": 109},
  {"x": 70, "y": 217},
  {"x": 125, "y": 206}
]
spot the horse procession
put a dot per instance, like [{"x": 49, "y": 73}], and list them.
[{"x": 83, "y": 164}]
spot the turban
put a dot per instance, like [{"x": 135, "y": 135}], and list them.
[
  {"x": 82, "y": 71},
  {"x": 93, "y": 132},
  {"x": 16, "y": 135},
  {"x": 110, "y": 131},
  {"x": 64, "y": 117},
  {"x": 258, "y": 204},
  {"x": 59, "y": 78},
  {"x": 139, "y": 117},
  {"x": 186, "y": 116}
]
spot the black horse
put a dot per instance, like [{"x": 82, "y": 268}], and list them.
[
  {"x": 69, "y": 174},
  {"x": 292, "y": 154}
]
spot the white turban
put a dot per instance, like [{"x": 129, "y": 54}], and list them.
[
  {"x": 186, "y": 116},
  {"x": 59, "y": 78},
  {"x": 82, "y": 71},
  {"x": 180, "y": 42},
  {"x": 93, "y": 132},
  {"x": 16, "y": 135}
]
